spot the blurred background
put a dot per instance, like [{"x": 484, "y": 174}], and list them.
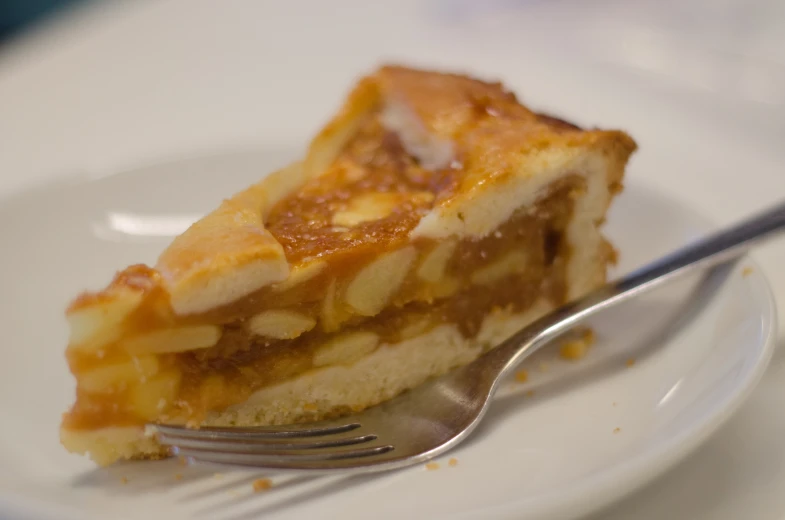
[
  {"x": 103, "y": 85},
  {"x": 17, "y": 15}
]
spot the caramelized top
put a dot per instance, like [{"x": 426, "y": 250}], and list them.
[
  {"x": 408, "y": 146},
  {"x": 372, "y": 195},
  {"x": 377, "y": 189}
]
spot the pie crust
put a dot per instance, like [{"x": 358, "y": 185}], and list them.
[{"x": 431, "y": 218}]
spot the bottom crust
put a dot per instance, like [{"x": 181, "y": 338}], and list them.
[
  {"x": 326, "y": 392},
  {"x": 108, "y": 445}
]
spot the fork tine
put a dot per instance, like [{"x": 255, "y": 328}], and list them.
[
  {"x": 293, "y": 459},
  {"x": 270, "y": 432},
  {"x": 260, "y": 445}
]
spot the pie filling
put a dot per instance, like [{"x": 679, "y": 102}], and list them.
[{"x": 339, "y": 305}]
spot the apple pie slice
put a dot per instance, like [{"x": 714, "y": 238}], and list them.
[{"x": 431, "y": 218}]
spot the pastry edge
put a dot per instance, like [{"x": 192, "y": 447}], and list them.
[{"x": 186, "y": 265}]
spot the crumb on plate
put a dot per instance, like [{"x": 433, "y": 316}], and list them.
[
  {"x": 432, "y": 466},
  {"x": 746, "y": 271},
  {"x": 178, "y": 476},
  {"x": 521, "y": 376},
  {"x": 575, "y": 349},
  {"x": 616, "y": 430},
  {"x": 588, "y": 336},
  {"x": 530, "y": 393},
  {"x": 123, "y": 480},
  {"x": 630, "y": 362},
  {"x": 262, "y": 484},
  {"x": 453, "y": 462}
]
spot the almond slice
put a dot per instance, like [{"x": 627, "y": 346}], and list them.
[
  {"x": 280, "y": 324},
  {"x": 513, "y": 262},
  {"x": 109, "y": 378},
  {"x": 416, "y": 327},
  {"x": 300, "y": 274},
  {"x": 365, "y": 208},
  {"x": 434, "y": 265},
  {"x": 177, "y": 339},
  {"x": 155, "y": 395},
  {"x": 97, "y": 325},
  {"x": 333, "y": 313},
  {"x": 378, "y": 281},
  {"x": 346, "y": 349}
]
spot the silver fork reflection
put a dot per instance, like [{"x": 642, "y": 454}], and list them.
[{"x": 436, "y": 416}]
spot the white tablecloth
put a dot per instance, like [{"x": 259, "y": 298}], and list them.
[{"x": 120, "y": 84}]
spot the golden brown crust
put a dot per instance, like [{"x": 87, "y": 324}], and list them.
[
  {"x": 231, "y": 253},
  {"x": 137, "y": 278},
  {"x": 427, "y": 194},
  {"x": 479, "y": 113},
  {"x": 501, "y": 147}
]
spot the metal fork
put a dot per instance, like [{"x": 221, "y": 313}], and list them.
[{"x": 438, "y": 415}]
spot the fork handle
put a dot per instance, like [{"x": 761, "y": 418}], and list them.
[{"x": 720, "y": 248}]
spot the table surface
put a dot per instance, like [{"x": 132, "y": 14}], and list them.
[{"x": 116, "y": 85}]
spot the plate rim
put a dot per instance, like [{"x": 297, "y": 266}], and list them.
[
  {"x": 588, "y": 495},
  {"x": 669, "y": 453}
]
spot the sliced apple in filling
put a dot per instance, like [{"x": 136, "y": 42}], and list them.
[{"x": 430, "y": 218}]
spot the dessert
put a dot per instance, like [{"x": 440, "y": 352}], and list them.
[{"x": 431, "y": 218}]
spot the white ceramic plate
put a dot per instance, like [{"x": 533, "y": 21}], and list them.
[{"x": 591, "y": 432}]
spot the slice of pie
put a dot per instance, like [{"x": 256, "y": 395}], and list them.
[{"x": 431, "y": 218}]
